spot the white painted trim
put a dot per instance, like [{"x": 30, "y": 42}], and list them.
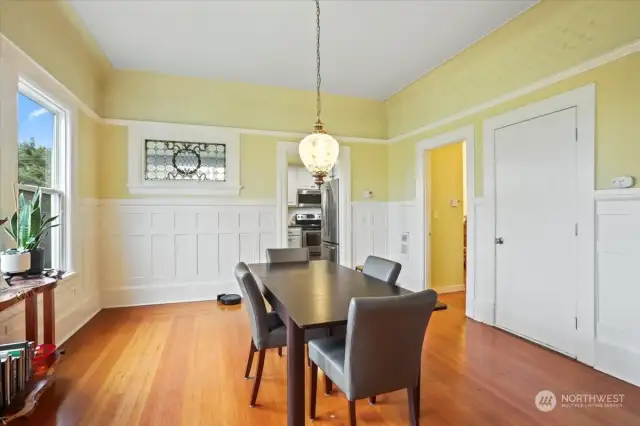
[
  {"x": 163, "y": 190},
  {"x": 584, "y": 98},
  {"x": 617, "y": 194},
  {"x": 185, "y": 201},
  {"x": 79, "y": 326},
  {"x": 468, "y": 135},
  {"x": 450, "y": 289},
  {"x": 246, "y": 131},
  {"x": 344, "y": 165},
  {"x": 540, "y": 84}
]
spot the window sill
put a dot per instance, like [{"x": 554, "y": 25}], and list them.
[{"x": 189, "y": 190}]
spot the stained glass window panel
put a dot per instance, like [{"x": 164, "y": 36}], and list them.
[{"x": 177, "y": 160}]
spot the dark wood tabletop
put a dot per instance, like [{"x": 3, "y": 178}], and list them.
[{"x": 318, "y": 293}]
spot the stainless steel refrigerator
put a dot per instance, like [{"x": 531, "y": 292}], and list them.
[{"x": 330, "y": 223}]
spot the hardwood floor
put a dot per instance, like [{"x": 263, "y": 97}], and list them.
[{"x": 183, "y": 364}]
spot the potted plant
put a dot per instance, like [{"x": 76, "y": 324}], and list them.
[{"x": 27, "y": 227}]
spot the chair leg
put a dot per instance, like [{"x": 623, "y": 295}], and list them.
[
  {"x": 313, "y": 390},
  {"x": 252, "y": 349},
  {"x": 372, "y": 400},
  {"x": 414, "y": 414},
  {"x": 280, "y": 352},
  {"x": 328, "y": 385},
  {"x": 256, "y": 385},
  {"x": 352, "y": 413}
]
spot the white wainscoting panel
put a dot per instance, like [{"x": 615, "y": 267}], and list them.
[
  {"x": 166, "y": 252},
  {"x": 369, "y": 237},
  {"x": 485, "y": 281},
  {"x": 617, "y": 290},
  {"x": 402, "y": 241}
]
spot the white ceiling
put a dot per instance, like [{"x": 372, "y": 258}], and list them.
[{"x": 370, "y": 48}]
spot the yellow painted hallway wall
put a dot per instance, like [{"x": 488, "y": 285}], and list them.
[{"x": 445, "y": 183}]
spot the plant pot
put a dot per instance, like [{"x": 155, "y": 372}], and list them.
[
  {"x": 15, "y": 263},
  {"x": 37, "y": 261}
]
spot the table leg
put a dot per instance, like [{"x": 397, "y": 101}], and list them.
[
  {"x": 31, "y": 319},
  {"x": 48, "y": 313},
  {"x": 295, "y": 374}
]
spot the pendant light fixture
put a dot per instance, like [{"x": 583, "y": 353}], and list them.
[{"x": 318, "y": 151}]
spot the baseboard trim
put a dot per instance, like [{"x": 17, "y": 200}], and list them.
[
  {"x": 118, "y": 297},
  {"x": 450, "y": 289},
  {"x": 618, "y": 362}
]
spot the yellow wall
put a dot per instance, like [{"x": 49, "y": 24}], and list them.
[
  {"x": 87, "y": 156},
  {"x": 547, "y": 39},
  {"x": 138, "y": 95},
  {"x": 617, "y": 127},
  {"x": 445, "y": 183},
  {"x": 45, "y": 31}
]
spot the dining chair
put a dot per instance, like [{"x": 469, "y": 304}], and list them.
[
  {"x": 282, "y": 255},
  {"x": 381, "y": 352},
  {"x": 267, "y": 330},
  {"x": 383, "y": 269}
]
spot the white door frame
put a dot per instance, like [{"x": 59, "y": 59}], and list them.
[
  {"x": 422, "y": 199},
  {"x": 344, "y": 166},
  {"x": 584, "y": 99}
]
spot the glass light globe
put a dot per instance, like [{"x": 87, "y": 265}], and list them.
[{"x": 319, "y": 153}]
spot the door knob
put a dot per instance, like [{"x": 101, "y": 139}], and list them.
[{"x": 499, "y": 240}]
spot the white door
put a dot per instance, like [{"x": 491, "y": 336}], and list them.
[{"x": 536, "y": 216}]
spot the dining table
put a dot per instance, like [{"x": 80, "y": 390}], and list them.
[{"x": 308, "y": 295}]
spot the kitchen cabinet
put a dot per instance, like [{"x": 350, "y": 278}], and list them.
[
  {"x": 292, "y": 186},
  {"x": 294, "y": 238},
  {"x": 305, "y": 180}
]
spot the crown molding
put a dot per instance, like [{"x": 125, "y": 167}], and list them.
[{"x": 540, "y": 84}]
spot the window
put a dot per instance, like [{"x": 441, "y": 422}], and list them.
[
  {"x": 183, "y": 159},
  {"x": 174, "y": 160},
  {"x": 42, "y": 135}
]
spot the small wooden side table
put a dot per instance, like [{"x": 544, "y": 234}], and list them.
[{"x": 27, "y": 290}]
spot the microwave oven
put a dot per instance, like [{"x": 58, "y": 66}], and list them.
[{"x": 309, "y": 198}]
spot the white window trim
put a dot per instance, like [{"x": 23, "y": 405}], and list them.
[
  {"x": 140, "y": 131},
  {"x": 60, "y": 179}
]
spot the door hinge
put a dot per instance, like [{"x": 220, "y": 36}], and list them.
[
  {"x": 576, "y": 323},
  {"x": 576, "y": 229}
]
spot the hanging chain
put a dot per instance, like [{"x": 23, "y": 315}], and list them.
[{"x": 319, "y": 78}]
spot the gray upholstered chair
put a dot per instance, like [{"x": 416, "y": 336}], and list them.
[
  {"x": 282, "y": 255},
  {"x": 382, "y": 269},
  {"x": 267, "y": 330},
  {"x": 381, "y": 352}
]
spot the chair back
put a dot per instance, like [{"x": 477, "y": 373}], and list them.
[
  {"x": 283, "y": 255},
  {"x": 254, "y": 302},
  {"x": 382, "y": 269},
  {"x": 384, "y": 342}
]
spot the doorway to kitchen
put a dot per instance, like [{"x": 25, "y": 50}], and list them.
[
  {"x": 446, "y": 210},
  {"x": 298, "y": 202}
]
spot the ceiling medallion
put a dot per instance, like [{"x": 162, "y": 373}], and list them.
[{"x": 318, "y": 151}]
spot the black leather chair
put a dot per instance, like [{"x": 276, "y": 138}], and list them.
[{"x": 381, "y": 352}]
